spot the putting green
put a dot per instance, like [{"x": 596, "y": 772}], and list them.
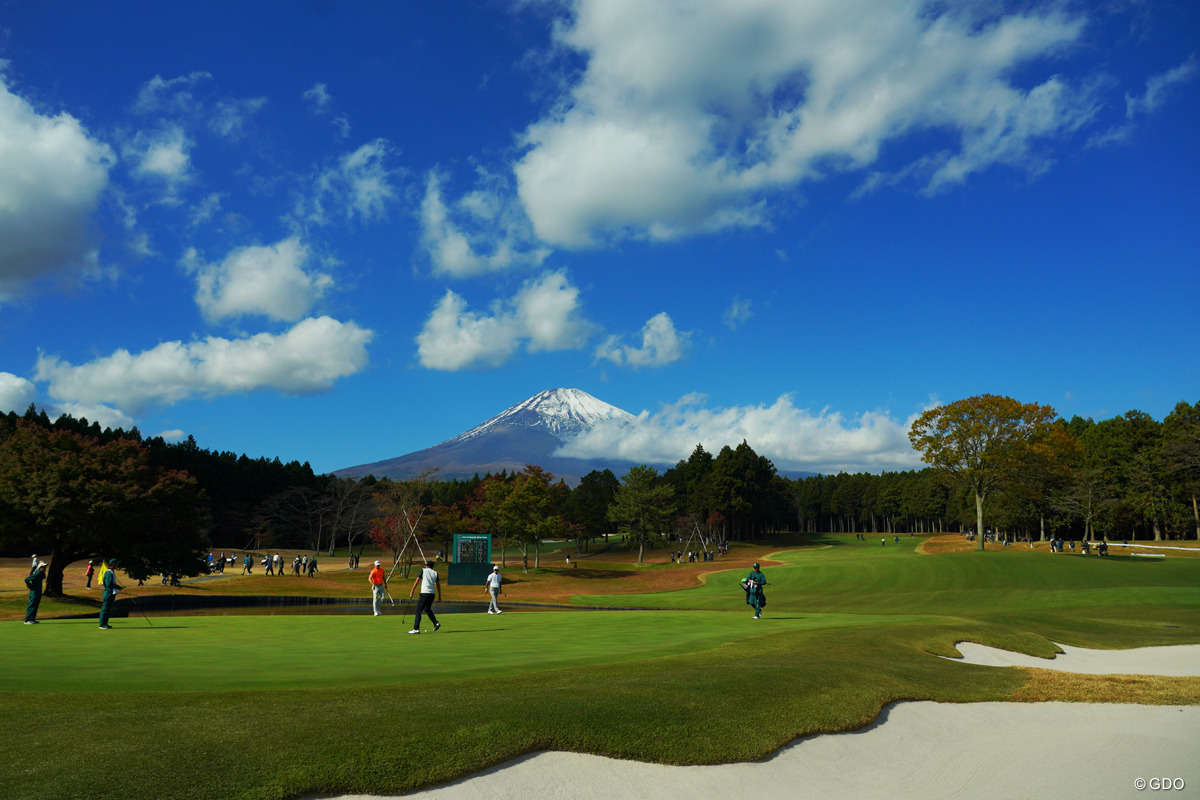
[{"x": 176, "y": 654}]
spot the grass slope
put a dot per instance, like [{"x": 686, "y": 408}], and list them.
[{"x": 284, "y": 706}]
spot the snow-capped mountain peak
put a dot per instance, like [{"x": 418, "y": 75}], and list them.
[{"x": 561, "y": 412}]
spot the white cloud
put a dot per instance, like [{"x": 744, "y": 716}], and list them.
[
  {"x": 174, "y": 95},
  {"x": 229, "y": 117},
  {"x": 269, "y": 280},
  {"x": 686, "y": 119},
  {"x": 308, "y": 358},
  {"x": 482, "y": 218},
  {"x": 173, "y": 435},
  {"x": 661, "y": 345},
  {"x": 1158, "y": 88},
  {"x": 737, "y": 314},
  {"x": 318, "y": 98},
  {"x": 16, "y": 393},
  {"x": 161, "y": 155},
  {"x": 105, "y": 416},
  {"x": 176, "y": 98},
  {"x": 205, "y": 210},
  {"x": 52, "y": 175},
  {"x": 793, "y": 438},
  {"x": 358, "y": 185},
  {"x": 542, "y": 316}
]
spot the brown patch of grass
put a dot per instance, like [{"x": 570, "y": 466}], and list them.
[
  {"x": 945, "y": 543},
  {"x": 1045, "y": 685}
]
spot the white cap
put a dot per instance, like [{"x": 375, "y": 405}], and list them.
[
  {"x": 377, "y": 563},
  {"x": 495, "y": 569},
  {"x": 42, "y": 563}
]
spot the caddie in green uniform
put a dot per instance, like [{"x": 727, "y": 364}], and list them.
[
  {"x": 111, "y": 587},
  {"x": 755, "y": 596},
  {"x": 34, "y": 582}
]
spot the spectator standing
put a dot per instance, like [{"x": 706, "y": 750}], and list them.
[{"x": 89, "y": 572}]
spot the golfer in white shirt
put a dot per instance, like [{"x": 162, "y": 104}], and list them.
[{"x": 492, "y": 585}]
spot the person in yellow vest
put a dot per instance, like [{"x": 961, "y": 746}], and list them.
[
  {"x": 111, "y": 587},
  {"x": 377, "y": 590}
]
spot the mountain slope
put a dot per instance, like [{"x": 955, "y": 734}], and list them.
[{"x": 527, "y": 433}]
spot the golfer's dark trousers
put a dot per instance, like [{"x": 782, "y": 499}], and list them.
[{"x": 424, "y": 606}]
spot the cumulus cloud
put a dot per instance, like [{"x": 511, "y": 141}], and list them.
[
  {"x": 269, "y": 280},
  {"x": 161, "y": 155},
  {"x": 661, "y": 345},
  {"x": 16, "y": 393},
  {"x": 483, "y": 218},
  {"x": 105, "y": 416},
  {"x": 358, "y": 185},
  {"x": 52, "y": 175},
  {"x": 308, "y": 358},
  {"x": 542, "y": 316},
  {"x": 793, "y": 438},
  {"x": 686, "y": 119}
]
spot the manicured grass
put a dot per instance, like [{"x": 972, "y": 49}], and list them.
[{"x": 284, "y": 706}]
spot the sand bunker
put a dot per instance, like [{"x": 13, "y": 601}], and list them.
[
  {"x": 915, "y": 751},
  {"x": 1173, "y": 661}
]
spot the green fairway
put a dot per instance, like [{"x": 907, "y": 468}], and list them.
[
  {"x": 284, "y": 706},
  {"x": 857, "y": 577}
]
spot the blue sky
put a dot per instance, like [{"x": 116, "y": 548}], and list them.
[{"x": 344, "y": 231}]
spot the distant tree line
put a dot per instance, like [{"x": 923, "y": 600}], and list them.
[{"x": 73, "y": 490}]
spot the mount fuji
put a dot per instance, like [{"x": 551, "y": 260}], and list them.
[{"x": 527, "y": 433}]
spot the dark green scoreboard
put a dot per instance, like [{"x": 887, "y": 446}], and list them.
[{"x": 471, "y": 559}]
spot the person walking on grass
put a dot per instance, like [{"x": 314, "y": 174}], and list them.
[
  {"x": 34, "y": 583},
  {"x": 111, "y": 587},
  {"x": 377, "y": 589},
  {"x": 755, "y": 596},
  {"x": 428, "y": 581},
  {"x": 492, "y": 586}
]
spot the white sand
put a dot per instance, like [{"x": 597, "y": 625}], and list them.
[
  {"x": 1177, "y": 660},
  {"x": 917, "y": 751}
]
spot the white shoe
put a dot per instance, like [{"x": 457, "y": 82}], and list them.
[
  {"x": 499, "y": 612},
  {"x": 491, "y": 612},
  {"x": 414, "y": 631}
]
